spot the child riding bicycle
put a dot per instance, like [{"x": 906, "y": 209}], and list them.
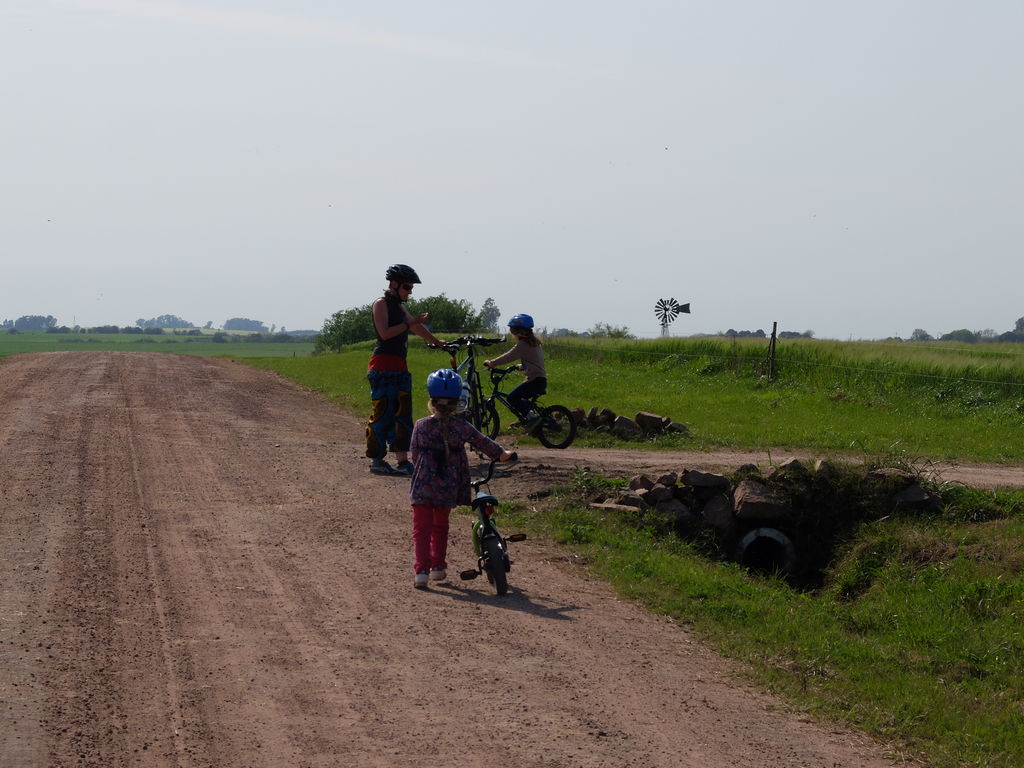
[
  {"x": 530, "y": 350},
  {"x": 440, "y": 477}
]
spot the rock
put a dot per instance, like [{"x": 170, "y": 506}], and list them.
[
  {"x": 657, "y": 494},
  {"x": 718, "y": 515},
  {"x": 697, "y": 479},
  {"x": 641, "y": 483},
  {"x": 633, "y": 500},
  {"x": 677, "y": 428},
  {"x": 825, "y": 469},
  {"x": 593, "y": 419},
  {"x": 755, "y": 501},
  {"x": 898, "y": 478},
  {"x": 606, "y": 417},
  {"x": 578, "y": 416},
  {"x": 651, "y": 423},
  {"x": 684, "y": 520},
  {"x": 625, "y": 427},
  {"x": 669, "y": 478},
  {"x": 916, "y": 496}
]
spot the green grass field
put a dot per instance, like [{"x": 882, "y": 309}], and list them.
[{"x": 202, "y": 346}]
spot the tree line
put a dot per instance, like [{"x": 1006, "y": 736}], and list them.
[
  {"x": 350, "y": 326},
  {"x": 154, "y": 324},
  {"x": 974, "y": 337}
]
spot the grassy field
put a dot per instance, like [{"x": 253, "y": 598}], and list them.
[
  {"x": 961, "y": 402},
  {"x": 202, "y": 346},
  {"x": 914, "y": 635}
]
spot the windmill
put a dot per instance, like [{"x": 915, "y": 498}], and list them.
[{"x": 666, "y": 311}]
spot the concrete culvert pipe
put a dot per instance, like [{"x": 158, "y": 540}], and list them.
[{"x": 767, "y": 549}]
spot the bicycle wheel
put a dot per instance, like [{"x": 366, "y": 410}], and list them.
[
  {"x": 557, "y": 427},
  {"x": 489, "y": 422},
  {"x": 496, "y": 564}
]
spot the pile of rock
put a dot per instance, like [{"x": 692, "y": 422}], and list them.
[
  {"x": 770, "y": 518},
  {"x": 643, "y": 424}
]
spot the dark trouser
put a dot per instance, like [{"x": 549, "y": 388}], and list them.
[
  {"x": 391, "y": 420},
  {"x": 521, "y": 396}
]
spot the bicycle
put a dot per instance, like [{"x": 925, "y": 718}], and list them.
[
  {"x": 490, "y": 546},
  {"x": 555, "y": 428}
]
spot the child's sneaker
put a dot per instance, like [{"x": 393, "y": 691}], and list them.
[
  {"x": 438, "y": 574},
  {"x": 381, "y": 467},
  {"x": 533, "y": 420},
  {"x": 404, "y": 468},
  {"x": 420, "y": 581}
]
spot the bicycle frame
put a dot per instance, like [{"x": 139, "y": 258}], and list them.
[{"x": 490, "y": 546}]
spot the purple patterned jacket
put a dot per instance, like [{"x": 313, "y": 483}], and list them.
[{"x": 435, "y": 482}]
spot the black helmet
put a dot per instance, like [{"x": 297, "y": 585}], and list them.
[{"x": 402, "y": 273}]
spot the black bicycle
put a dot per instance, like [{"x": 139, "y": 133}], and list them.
[
  {"x": 490, "y": 546},
  {"x": 553, "y": 425}
]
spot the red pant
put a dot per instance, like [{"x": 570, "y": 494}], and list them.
[{"x": 429, "y": 536}]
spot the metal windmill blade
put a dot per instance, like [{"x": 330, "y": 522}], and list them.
[{"x": 666, "y": 310}]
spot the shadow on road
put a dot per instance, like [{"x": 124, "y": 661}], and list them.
[{"x": 515, "y": 600}]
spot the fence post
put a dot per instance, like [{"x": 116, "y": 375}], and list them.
[{"x": 771, "y": 352}]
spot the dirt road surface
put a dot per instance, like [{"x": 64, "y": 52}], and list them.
[{"x": 198, "y": 570}]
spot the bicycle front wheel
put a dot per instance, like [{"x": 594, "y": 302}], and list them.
[
  {"x": 496, "y": 564},
  {"x": 557, "y": 428},
  {"x": 489, "y": 422}
]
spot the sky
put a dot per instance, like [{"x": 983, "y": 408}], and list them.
[{"x": 855, "y": 169}]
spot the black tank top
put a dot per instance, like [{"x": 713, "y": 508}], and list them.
[{"x": 396, "y": 345}]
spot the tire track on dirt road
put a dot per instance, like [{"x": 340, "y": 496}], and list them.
[{"x": 222, "y": 583}]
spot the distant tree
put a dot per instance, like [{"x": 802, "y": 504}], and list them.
[
  {"x": 209, "y": 325},
  {"x": 351, "y": 326},
  {"x": 446, "y": 315},
  {"x": 960, "y": 335},
  {"x": 35, "y": 322},
  {"x": 920, "y": 334},
  {"x": 7, "y": 324},
  {"x": 489, "y": 315},
  {"x": 244, "y": 324},
  {"x": 1018, "y": 327},
  {"x": 164, "y": 321},
  {"x": 346, "y": 327},
  {"x": 607, "y": 331}
]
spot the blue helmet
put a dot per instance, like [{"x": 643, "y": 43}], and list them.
[
  {"x": 444, "y": 382},
  {"x": 520, "y": 321}
]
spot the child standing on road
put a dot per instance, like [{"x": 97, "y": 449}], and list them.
[
  {"x": 440, "y": 476},
  {"x": 528, "y": 348}
]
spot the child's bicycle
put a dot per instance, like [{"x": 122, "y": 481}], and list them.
[
  {"x": 490, "y": 546},
  {"x": 555, "y": 427}
]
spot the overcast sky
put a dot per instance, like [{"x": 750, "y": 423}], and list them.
[{"x": 851, "y": 168}]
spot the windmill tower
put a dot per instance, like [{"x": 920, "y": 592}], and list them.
[{"x": 666, "y": 311}]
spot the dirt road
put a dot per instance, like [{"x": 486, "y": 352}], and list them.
[{"x": 198, "y": 570}]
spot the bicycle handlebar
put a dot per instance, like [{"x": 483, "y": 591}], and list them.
[
  {"x": 475, "y": 485},
  {"x": 467, "y": 341}
]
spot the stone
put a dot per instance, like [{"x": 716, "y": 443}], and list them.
[
  {"x": 698, "y": 479},
  {"x": 651, "y": 423},
  {"x": 718, "y": 514},
  {"x": 755, "y": 501},
  {"x": 669, "y": 478},
  {"x": 641, "y": 483},
  {"x": 625, "y": 427},
  {"x": 657, "y": 494}
]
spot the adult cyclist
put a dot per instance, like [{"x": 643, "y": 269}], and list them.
[{"x": 390, "y": 424}]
